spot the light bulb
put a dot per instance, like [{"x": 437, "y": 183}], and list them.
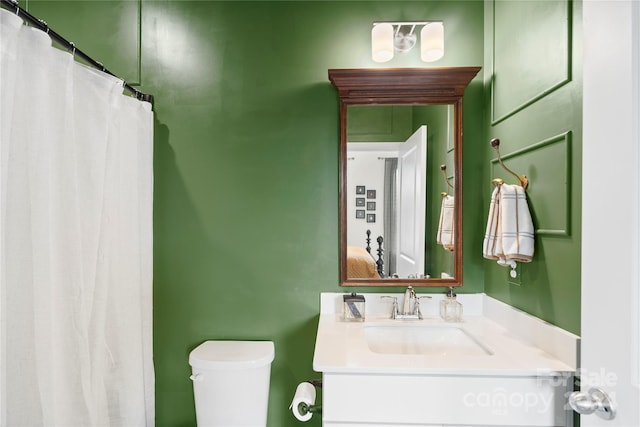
[
  {"x": 382, "y": 42},
  {"x": 432, "y": 42}
]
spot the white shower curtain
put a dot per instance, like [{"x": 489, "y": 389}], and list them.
[{"x": 75, "y": 241}]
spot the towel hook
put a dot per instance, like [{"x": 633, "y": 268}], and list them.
[
  {"x": 524, "y": 182},
  {"x": 443, "y": 168}
]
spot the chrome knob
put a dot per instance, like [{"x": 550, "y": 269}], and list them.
[{"x": 594, "y": 401}]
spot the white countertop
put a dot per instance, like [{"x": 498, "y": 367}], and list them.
[{"x": 341, "y": 347}]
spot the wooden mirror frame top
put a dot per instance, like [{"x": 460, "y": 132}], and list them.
[{"x": 402, "y": 86}]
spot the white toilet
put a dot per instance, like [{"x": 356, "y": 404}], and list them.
[{"x": 231, "y": 382}]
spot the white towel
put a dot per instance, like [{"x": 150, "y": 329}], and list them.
[
  {"x": 446, "y": 232},
  {"x": 490, "y": 247},
  {"x": 510, "y": 235}
]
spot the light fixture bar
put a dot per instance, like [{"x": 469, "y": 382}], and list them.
[
  {"x": 388, "y": 37},
  {"x": 405, "y": 22}
]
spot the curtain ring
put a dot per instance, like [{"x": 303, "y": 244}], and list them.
[
  {"x": 45, "y": 27},
  {"x": 15, "y": 4},
  {"x": 72, "y": 47}
]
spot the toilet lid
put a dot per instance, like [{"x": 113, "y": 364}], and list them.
[{"x": 232, "y": 354}]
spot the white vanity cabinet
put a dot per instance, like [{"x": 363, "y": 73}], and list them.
[
  {"x": 427, "y": 400},
  {"x": 522, "y": 379}
]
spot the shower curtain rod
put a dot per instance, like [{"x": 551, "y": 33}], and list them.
[{"x": 12, "y": 5}]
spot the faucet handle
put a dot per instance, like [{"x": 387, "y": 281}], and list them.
[
  {"x": 417, "y": 309},
  {"x": 394, "y": 309}
]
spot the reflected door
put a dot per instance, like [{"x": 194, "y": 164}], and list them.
[{"x": 412, "y": 161}]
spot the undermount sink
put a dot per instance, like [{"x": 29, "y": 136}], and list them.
[{"x": 434, "y": 340}]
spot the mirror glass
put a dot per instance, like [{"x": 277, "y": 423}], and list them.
[
  {"x": 396, "y": 156},
  {"x": 400, "y": 175}
]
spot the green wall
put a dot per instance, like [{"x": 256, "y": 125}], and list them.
[
  {"x": 246, "y": 215},
  {"x": 533, "y": 81},
  {"x": 440, "y": 151},
  {"x": 246, "y": 166}
]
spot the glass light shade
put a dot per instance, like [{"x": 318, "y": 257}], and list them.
[
  {"x": 432, "y": 42},
  {"x": 382, "y": 42}
]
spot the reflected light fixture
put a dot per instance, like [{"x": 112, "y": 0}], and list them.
[{"x": 390, "y": 37}]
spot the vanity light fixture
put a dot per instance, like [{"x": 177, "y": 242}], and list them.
[{"x": 390, "y": 37}]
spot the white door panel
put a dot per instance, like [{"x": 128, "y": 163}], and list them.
[{"x": 610, "y": 209}]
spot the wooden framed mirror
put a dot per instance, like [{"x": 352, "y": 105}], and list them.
[{"x": 391, "y": 216}]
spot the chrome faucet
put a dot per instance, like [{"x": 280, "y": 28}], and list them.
[
  {"x": 410, "y": 306},
  {"x": 409, "y": 298}
]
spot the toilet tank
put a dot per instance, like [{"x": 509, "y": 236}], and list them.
[{"x": 231, "y": 382}]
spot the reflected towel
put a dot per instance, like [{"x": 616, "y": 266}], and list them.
[
  {"x": 510, "y": 235},
  {"x": 446, "y": 234}
]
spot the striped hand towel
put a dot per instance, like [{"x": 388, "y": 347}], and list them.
[{"x": 510, "y": 234}]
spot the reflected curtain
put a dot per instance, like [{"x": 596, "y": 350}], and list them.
[
  {"x": 75, "y": 241},
  {"x": 390, "y": 215}
]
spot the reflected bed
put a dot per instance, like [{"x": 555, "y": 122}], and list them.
[{"x": 360, "y": 264}]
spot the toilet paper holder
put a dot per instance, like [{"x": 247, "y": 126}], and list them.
[
  {"x": 309, "y": 409},
  {"x": 305, "y": 410},
  {"x": 312, "y": 409}
]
